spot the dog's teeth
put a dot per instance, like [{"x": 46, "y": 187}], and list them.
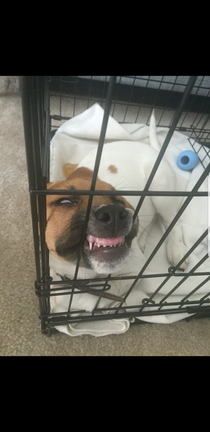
[{"x": 98, "y": 245}]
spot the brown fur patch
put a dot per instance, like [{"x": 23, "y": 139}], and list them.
[
  {"x": 113, "y": 169},
  {"x": 68, "y": 169}
]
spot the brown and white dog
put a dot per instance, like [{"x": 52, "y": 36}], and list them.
[{"x": 110, "y": 230}]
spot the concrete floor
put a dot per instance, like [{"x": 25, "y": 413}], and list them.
[{"x": 19, "y": 309}]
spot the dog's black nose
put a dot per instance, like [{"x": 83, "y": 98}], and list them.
[{"x": 113, "y": 217}]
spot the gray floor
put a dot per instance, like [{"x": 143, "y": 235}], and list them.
[{"x": 19, "y": 310}]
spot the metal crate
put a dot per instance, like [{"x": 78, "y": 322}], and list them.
[{"x": 182, "y": 104}]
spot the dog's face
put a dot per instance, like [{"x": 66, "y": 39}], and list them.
[{"x": 110, "y": 228}]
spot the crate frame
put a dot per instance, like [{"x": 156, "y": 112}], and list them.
[{"x": 38, "y": 129}]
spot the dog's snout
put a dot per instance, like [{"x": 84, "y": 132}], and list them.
[{"x": 113, "y": 217}]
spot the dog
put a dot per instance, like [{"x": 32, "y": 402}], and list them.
[{"x": 111, "y": 229}]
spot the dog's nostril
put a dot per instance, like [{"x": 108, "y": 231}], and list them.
[
  {"x": 103, "y": 216},
  {"x": 123, "y": 214}
]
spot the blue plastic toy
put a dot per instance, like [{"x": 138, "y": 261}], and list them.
[{"x": 187, "y": 160}]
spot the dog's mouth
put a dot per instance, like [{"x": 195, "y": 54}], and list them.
[
  {"x": 106, "y": 255},
  {"x": 95, "y": 243}
]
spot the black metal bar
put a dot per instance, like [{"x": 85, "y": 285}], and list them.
[
  {"x": 35, "y": 224},
  {"x": 143, "y": 95},
  {"x": 26, "y": 109},
  {"x": 103, "y": 130},
  {"x": 37, "y": 100},
  {"x": 194, "y": 290},
  {"x": 110, "y": 316},
  {"x": 185, "y": 274},
  {"x": 65, "y": 285},
  {"x": 203, "y": 299},
  {"x": 26, "y": 96},
  {"x": 105, "y": 287},
  {"x": 115, "y": 192},
  {"x": 132, "y": 309},
  {"x": 35, "y": 108},
  {"x": 202, "y": 310},
  {"x": 185, "y": 277},
  {"x": 46, "y": 132}
]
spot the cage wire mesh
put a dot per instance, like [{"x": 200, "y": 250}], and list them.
[{"x": 181, "y": 104}]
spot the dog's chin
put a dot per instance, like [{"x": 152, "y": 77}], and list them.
[{"x": 107, "y": 268}]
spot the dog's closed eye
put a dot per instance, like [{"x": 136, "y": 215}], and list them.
[{"x": 64, "y": 202}]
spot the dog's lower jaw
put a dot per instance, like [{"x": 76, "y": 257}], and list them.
[{"x": 107, "y": 267}]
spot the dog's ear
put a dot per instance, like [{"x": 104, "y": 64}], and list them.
[{"x": 68, "y": 169}]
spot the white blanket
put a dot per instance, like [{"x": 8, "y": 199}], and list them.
[{"x": 71, "y": 143}]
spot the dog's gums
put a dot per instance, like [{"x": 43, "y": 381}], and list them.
[{"x": 96, "y": 242}]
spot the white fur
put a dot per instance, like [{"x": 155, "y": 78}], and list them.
[{"x": 134, "y": 164}]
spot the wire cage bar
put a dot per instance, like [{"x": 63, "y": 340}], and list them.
[{"x": 181, "y": 104}]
